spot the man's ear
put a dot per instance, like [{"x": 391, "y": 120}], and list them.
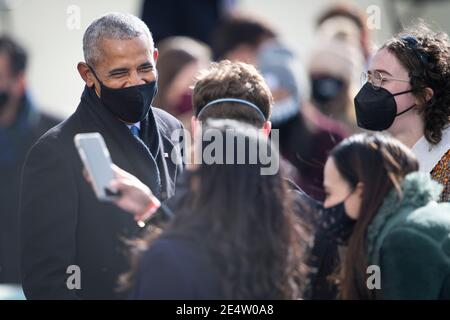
[
  {"x": 267, "y": 127},
  {"x": 155, "y": 55},
  {"x": 86, "y": 74}
]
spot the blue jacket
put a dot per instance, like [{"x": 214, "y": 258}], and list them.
[{"x": 177, "y": 268}]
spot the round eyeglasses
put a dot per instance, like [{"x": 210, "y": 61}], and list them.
[{"x": 376, "y": 79}]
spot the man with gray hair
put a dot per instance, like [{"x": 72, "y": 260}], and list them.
[{"x": 72, "y": 244}]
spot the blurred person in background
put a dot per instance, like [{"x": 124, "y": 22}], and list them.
[
  {"x": 21, "y": 124},
  {"x": 306, "y": 135},
  {"x": 179, "y": 61},
  {"x": 407, "y": 93},
  {"x": 397, "y": 224},
  {"x": 190, "y": 18},
  {"x": 239, "y": 37},
  {"x": 335, "y": 70},
  {"x": 341, "y": 52},
  {"x": 346, "y": 22}
]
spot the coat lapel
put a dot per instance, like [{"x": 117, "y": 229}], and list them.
[{"x": 126, "y": 151}]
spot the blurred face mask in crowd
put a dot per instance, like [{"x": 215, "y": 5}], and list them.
[
  {"x": 326, "y": 88},
  {"x": 129, "y": 104},
  {"x": 376, "y": 108},
  {"x": 4, "y": 98}
]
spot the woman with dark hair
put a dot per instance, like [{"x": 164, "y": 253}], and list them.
[
  {"x": 408, "y": 94},
  {"x": 233, "y": 235},
  {"x": 179, "y": 61},
  {"x": 397, "y": 225}
]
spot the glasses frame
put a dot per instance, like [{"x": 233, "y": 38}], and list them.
[{"x": 366, "y": 77}]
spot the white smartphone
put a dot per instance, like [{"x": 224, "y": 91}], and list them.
[{"x": 97, "y": 161}]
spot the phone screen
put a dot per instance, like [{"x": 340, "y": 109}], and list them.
[{"x": 97, "y": 161}]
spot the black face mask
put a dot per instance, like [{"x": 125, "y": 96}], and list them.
[
  {"x": 325, "y": 89},
  {"x": 129, "y": 104},
  {"x": 376, "y": 109},
  {"x": 4, "y": 98},
  {"x": 336, "y": 224}
]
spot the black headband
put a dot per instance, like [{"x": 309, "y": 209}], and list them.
[{"x": 412, "y": 43}]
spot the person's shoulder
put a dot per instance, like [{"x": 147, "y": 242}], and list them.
[
  {"x": 59, "y": 137},
  {"x": 430, "y": 223},
  {"x": 173, "y": 267},
  {"x": 165, "y": 253},
  {"x": 55, "y": 134},
  {"x": 430, "y": 218},
  {"x": 48, "y": 121},
  {"x": 416, "y": 246},
  {"x": 171, "y": 247},
  {"x": 166, "y": 121},
  {"x": 441, "y": 174}
]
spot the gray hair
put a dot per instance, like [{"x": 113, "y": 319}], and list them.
[{"x": 113, "y": 25}]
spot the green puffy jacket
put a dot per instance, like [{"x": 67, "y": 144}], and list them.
[{"x": 409, "y": 239}]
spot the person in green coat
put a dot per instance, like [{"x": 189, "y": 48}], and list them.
[{"x": 398, "y": 244}]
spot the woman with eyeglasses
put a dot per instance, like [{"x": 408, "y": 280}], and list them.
[{"x": 407, "y": 93}]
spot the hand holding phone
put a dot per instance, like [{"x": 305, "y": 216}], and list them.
[{"x": 97, "y": 162}]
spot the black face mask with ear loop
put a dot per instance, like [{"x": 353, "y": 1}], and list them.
[
  {"x": 129, "y": 104},
  {"x": 376, "y": 110}
]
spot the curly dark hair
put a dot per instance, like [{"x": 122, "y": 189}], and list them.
[
  {"x": 428, "y": 64},
  {"x": 255, "y": 240}
]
